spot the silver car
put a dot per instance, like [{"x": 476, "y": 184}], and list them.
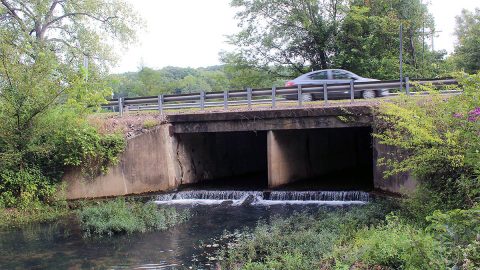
[{"x": 333, "y": 76}]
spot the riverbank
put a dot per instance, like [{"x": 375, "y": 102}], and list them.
[
  {"x": 41, "y": 213},
  {"x": 375, "y": 236},
  {"x": 63, "y": 245},
  {"x": 97, "y": 218}
]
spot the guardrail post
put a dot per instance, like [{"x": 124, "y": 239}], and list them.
[
  {"x": 120, "y": 106},
  {"x": 202, "y": 100},
  {"x": 407, "y": 86},
  {"x": 160, "y": 104},
  {"x": 325, "y": 93},
  {"x": 299, "y": 95},
  {"x": 274, "y": 97},
  {"x": 225, "y": 100},
  {"x": 249, "y": 98},
  {"x": 352, "y": 90}
]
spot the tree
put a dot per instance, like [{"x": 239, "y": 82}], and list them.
[
  {"x": 297, "y": 33},
  {"x": 45, "y": 92},
  {"x": 287, "y": 37},
  {"x": 71, "y": 29},
  {"x": 467, "y": 50}
]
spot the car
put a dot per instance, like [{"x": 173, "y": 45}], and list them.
[{"x": 333, "y": 76}]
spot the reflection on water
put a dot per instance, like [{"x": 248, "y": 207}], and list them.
[{"x": 61, "y": 246}]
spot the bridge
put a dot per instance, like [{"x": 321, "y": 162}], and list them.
[{"x": 324, "y": 147}]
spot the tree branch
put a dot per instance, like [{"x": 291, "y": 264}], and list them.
[
  {"x": 13, "y": 12},
  {"x": 74, "y": 14}
]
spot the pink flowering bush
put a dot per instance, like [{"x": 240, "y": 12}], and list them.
[
  {"x": 474, "y": 115},
  {"x": 438, "y": 140}
]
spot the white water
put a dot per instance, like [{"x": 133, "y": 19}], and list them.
[{"x": 211, "y": 197}]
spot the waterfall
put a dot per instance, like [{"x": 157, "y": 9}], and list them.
[
  {"x": 319, "y": 196},
  {"x": 263, "y": 197}
]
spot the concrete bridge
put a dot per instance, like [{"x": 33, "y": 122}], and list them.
[{"x": 327, "y": 147}]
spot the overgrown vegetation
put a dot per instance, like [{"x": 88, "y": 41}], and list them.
[
  {"x": 46, "y": 94},
  {"x": 126, "y": 217},
  {"x": 437, "y": 227},
  {"x": 302, "y": 241}
]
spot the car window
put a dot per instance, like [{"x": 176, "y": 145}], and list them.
[
  {"x": 342, "y": 75},
  {"x": 319, "y": 76}
]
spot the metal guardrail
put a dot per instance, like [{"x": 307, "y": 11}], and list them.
[{"x": 251, "y": 96}]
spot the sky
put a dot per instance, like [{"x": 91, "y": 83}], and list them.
[{"x": 191, "y": 33}]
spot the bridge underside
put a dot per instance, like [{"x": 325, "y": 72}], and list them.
[{"x": 310, "y": 158}]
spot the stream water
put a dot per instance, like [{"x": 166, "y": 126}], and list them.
[{"x": 61, "y": 245}]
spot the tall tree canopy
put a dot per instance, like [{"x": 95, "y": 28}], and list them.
[
  {"x": 467, "y": 51},
  {"x": 359, "y": 35},
  {"x": 71, "y": 29},
  {"x": 44, "y": 90}
]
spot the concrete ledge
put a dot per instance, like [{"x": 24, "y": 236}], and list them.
[
  {"x": 345, "y": 109},
  {"x": 304, "y": 118}
]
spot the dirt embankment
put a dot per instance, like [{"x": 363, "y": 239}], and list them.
[{"x": 130, "y": 125}]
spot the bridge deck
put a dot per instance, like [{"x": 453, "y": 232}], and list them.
[{"x": 345, "y": 115}]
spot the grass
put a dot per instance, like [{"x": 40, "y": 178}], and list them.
[
  {"x": 17, "y": 217},
  {"x": 122, "y": 217},
  {"x": 349, "y": 238}
]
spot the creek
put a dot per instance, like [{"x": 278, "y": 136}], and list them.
[{"x": 61, "y": 245}]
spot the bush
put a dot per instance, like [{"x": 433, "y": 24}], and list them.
[
  {"x": 80, "y": 144},
  {"x": 150, "y": 123},
  {"x": 302, "y": 241},
  {"x": 394, "y": 245},
  {"x": 25, "y": 188},
  {"x": 459, "y": 232},
  {"x": 18, "y": 217},
  {"x": 118, "y": 217},
  {"x": 438, "y": 141}
]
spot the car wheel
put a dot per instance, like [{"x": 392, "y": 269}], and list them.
[
  {"x": 307, "y": 97},
  {"x": 367, "y": 94}
]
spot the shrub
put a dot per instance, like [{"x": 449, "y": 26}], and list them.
[
  {"x": 301, "y": 241},
  {"x": 394, "y": 245},
  {"x": 25, "y": 188},
  {"x": 459, "y": 232},
  {"x": 118, "y": 217},
  {"x": 150, "y": 123},
  {"x": 438, "y": 141}
]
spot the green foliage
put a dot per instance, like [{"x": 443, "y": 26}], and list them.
[
  {"x": 438, "y": 141},
  {"x": 459, "y": 231},
  {"x": 87, "y": 149},
  {"x": 302, "y": 241},
  {"x": 73, "y": 30},
  {"x": 173, "y": 80},
  {"x": 37, "y": 213},
  {"x": 394, "y": 245},
  {"x": 467, "y": 51},
  {"x": 292, "y": 37},
  {"x": 25, "y": 188},
  {"x": 150, "y": 123},
  {"x": 118, "y": 217}
]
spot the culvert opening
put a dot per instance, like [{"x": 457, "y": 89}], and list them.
[
  {"x": 224, "y": 160},
  {"x": 327, "y": 159}
]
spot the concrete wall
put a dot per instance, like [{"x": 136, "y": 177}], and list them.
[
  {"x": 146, "y": 165},
  {"x": 400, "y": 184}
]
